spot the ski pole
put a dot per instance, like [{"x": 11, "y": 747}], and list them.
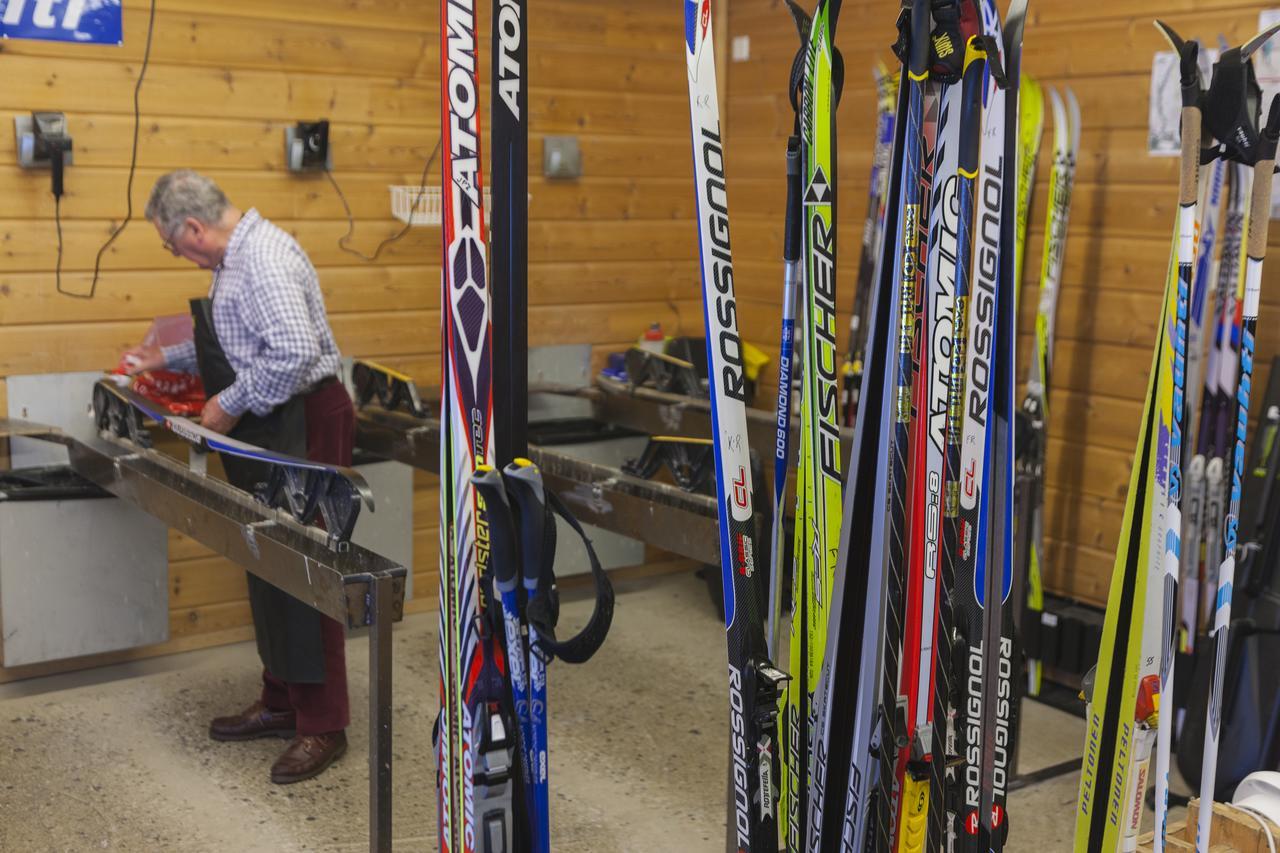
[
  {"x": 1259, "y": 219},
  {"x": 524, "y": 485},
  {"x": 1188, "y": 198},
  {"x": 505, "y": 557}
]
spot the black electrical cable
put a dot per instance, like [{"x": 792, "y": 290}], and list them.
[
  {"x": 133, "y": 168},
  {"x": 351, "y": 220},
  {"x": 57, "y": 223}
]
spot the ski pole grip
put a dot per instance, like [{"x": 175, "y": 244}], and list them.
[
  {"x": 525, "y": 481},
  {"x": 791, "y": 233},
  {"x": 1264, "y": 172},
  {"x": 1189, "y": 178},
  {"x": 502, "y": 540},
  {"x": 1190, "y": 71}
]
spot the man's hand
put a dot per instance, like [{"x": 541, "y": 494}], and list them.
[
  {"x": 212, "y": 417},
  {"x": 142, "y": 358}
]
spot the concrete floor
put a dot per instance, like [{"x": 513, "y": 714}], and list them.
[{"x": 119, "y": 759}]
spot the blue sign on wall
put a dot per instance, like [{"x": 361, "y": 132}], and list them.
[{"x": 86, "y": 21}]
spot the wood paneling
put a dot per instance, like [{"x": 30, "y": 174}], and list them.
[
  {"x": 609, "y": 252},
  {"x": 1122, "y": 216}
]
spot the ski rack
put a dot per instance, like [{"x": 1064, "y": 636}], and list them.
[
  {"x": 307, "y": 491},
  {"x": 658, "y": 514},
  {"x": 351, "y": 584}
]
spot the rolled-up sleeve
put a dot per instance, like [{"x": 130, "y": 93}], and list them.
[
  {"x": 275, "y": 309},
  {"x": 180, "y": 357}
]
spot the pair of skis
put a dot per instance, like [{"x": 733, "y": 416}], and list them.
[
  {"x": 498, "y": 601},
  {"x": 1134, "y": 676},
  {"x": 475, "y": 749},
  {"x": 1034, "y": 414},
  {"x": 814, "y": 89}
]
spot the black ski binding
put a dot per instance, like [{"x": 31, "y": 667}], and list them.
[
  {"x": 691, "y": 461},
  {"x": 391, "y": 389}
]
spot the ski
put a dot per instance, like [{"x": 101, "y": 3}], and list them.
[
  {"x": 1030, "y": 132},
  {"x": 475, "y": 753},
  {"x": 918, "y": 778},
  {"x": 846, "y": 703},
  {"x": 1035, "y": 405},
  {"x": 872, "y": 242},
  {"x": 914, "y": 45},
  {"x": 943, "y": 812},
  {"x": 509, "y": 295},
  {"x": 819, "y": 485},
  {"x": 983, "y": 654},
  {"x": 1209, "y": 209},
  {"x": 309, "y": 491},
  {"x": 999, "y": 650},
  {"x": 1220, "y": 379},
  {"x": 754, "y": 683},
  {"x": 1203, "y": 306},
  {"x": 509, "y": 235}
]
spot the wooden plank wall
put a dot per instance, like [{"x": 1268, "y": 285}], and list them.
[
  {"x": 608, "y": 253},
  {"x": 1117, "y": 248}
]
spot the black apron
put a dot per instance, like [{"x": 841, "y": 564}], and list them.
[{"x": 287, "y": 630}]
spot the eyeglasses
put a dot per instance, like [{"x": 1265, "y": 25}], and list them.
[{"x": 168, "y": 244}]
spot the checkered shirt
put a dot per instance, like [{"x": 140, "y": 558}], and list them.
[{"x": 269, "y": 316}]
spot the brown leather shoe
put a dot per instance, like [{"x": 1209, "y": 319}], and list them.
[
  {"x": 253, "y": 722},
  {"x": 307, "y": 756}
]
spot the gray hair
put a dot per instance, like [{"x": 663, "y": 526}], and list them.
[{"x": 182, "y": 194}]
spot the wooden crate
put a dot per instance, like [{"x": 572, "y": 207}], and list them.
[{"x": 1233, "y": 832}]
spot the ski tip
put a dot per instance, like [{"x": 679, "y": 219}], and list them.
[
  {"x": 1248, "y": 48},
  {"x": 1014, "y": 23},
  {"x": 1175, "y": 40},
  {"x": 801, "y": 18}
]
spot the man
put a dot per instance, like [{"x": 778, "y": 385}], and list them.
[{"x": 267, "y": 356}]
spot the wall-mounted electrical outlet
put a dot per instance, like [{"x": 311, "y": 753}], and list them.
[
  {"x": 39, "y": 136},
  {"x": 306, "y": 147},
  {"x": 561, "y": 157}
]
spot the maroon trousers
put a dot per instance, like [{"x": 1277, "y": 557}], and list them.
[{"x": 322, "y": 708}]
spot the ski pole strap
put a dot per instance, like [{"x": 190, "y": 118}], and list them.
[
  {"x": 544, "y": 607},
  {"x": 1232, "y": 105},
  {"x": 946, "y": 57}
]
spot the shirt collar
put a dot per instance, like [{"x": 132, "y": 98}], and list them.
[{"x": 247, "y": 223}]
